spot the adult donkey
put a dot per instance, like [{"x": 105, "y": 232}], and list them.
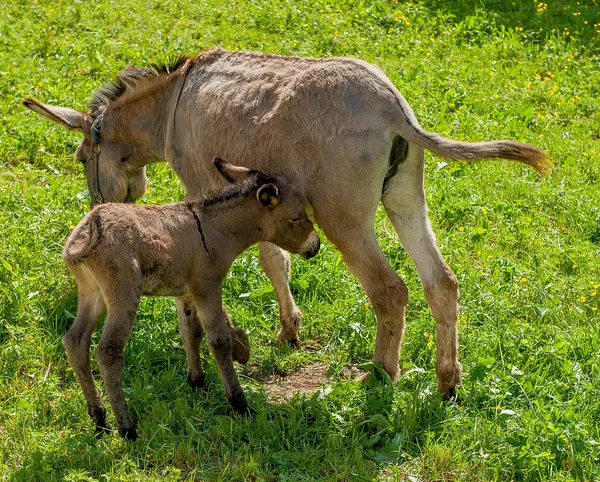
[{"x": 338, "y": 128}]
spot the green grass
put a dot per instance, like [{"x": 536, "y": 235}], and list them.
[{"x": 526, "y": 252}]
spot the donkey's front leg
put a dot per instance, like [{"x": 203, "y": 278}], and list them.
[
  {"x": 117, "y": 330},
  {"x": 191, "y": 332},
  {"x": 210, "y": 312},
  {"x": 276, "y": 263}
]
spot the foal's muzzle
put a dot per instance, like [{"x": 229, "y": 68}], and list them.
[{"x": 311, "y": 247}]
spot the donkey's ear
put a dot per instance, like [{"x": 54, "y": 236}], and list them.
[
  {"x": 268, "y": 194},
  {"x": 69, "y": 118},
  {"x": 230, "y": 172}
]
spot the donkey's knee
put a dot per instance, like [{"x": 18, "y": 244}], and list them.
[
  {"x": 77, "y": 348},
  {"x": 220, "y": 344},
  {"x": 389, "y": 301},
  {"x": 442, "y": 294},
  {"x": 109, "y": 354}
]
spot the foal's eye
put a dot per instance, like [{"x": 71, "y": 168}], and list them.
[
  {"x": 125, "y": 158},
  {"x": 295, "y": 220}
]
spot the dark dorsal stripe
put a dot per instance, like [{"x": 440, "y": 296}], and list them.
[{"x": 239, "y": 189}]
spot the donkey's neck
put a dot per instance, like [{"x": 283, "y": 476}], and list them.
[{"x": 144, "y": 118}]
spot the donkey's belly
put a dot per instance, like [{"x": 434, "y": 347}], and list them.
[{"x": 155, "y": 285}]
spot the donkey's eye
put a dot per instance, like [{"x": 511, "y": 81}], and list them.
[
  {"x": 295, "y": 220},
  {"x": 125, "y": 158}
]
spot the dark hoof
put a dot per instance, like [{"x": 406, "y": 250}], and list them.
[
  {"x": 100, "y": 430},
  {"x": 239, "y": 404},
  {"x": 128, "y": 433},
  {"x": 450, "y": 395},
  {"x": 196, "y": 382},
  {"x": 294, "y": 343},
  {"x": 98, "y": 415}
]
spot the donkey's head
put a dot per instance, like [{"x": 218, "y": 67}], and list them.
[
  {"x": 124, "y": 131},
  {"x": 284, "y": 221},
  {"x": 114, "y": 164}
]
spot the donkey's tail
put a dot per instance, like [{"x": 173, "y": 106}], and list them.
[
  {"x": 409, "y": 128},
  {"x": 84, "y": 238}
]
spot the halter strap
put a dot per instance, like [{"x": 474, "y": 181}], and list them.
[
  {"x": 170, "y": 154},
  {"x": 199, "y": 225},
  {"x": 94, "y": 179}
]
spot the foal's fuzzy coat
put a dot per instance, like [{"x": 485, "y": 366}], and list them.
[{"x": 120, "y": 252}]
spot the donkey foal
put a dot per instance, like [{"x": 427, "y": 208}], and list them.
[{"x": 120, "y": 252}]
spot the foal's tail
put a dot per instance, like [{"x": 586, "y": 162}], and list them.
[
  {"x": 409, "y": 128},
  {"x": 84, "y": 238}
]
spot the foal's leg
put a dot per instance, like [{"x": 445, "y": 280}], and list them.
[
  {"x": 122, "y": 302},
  {"x": 276, "y": 264},
  {"x": 191, "y": 333},
  {"x": 210, "y": 312},
  {"x": 77, "y": 343},
  {"x": 404, "y": 201}
]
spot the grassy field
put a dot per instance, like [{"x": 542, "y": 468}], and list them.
[{"x": 526, "y": 252}]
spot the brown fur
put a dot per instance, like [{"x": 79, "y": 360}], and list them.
[
  {"x": 120, "y": 252},
  {"x": 337, "y": 128}
]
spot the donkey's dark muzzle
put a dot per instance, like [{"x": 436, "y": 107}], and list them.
[{"x": 312, "y": 246}]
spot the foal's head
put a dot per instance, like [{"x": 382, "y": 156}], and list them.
[{"x": 284, "y": 221}]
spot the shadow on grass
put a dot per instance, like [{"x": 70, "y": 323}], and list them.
[
  {"x": 556, "y": 17},
  {"x": 346, "y": 431}
]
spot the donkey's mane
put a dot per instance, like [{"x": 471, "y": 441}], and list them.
[
  {"x": 130, "y": 78},
  {"x": 239, "y": 189}
]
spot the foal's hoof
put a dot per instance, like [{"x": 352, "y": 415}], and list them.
[
  {"x": 196, "y": 382},
  {"x": 449, "y": 395},
  {"x": 128, "y": 433},
  {"x": 98, "y": 415},
  {"x": 100, "y": 430},
  {"x": 239, "y": 404}
]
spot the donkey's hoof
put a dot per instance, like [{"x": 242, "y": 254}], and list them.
[
  {"x": 129, "y": 433},
  {"x": 196, "y": 381},
  {"x": 100, "y": 430},
  {"x": 239, "y": 404},
  {"x": 449, "y": 395},
  {"x": 290, "y": 325},
  {"x": 290, "y": 339},
  {"x": 98, "y": 415}
]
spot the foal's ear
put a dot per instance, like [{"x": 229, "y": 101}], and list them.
[
  {"x": 230, "y": 172},
  {"x": 268, "y": 194},
  {"x": 69, "y": 118}
]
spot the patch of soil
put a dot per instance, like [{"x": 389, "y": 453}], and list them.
[{"x": 306, "y": 380}]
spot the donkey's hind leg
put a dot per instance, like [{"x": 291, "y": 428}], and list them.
[
  {"x": 122, "y": 300},
  {"x": 352, "y": 231},
  {"x": 276, "y": 264},
  {"x": 77, "y": 343},
  {"x": 404, "y": 201}
]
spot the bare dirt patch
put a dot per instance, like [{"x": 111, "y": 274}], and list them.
[{"x": 306, "y": 380}]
